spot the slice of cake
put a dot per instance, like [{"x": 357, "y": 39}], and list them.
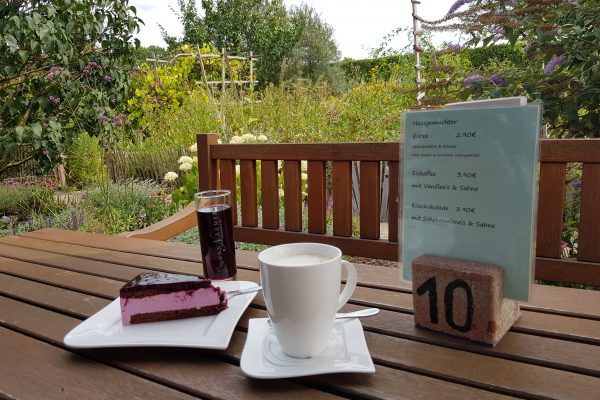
[{"x": 151, "y": 297}]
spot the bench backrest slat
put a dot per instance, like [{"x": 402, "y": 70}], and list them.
[
  {"x": 292, "y": 198},
  {"x": 248, "y": 192},
  {"x": 270, "y": 194},
  {"x": 550, "y": 209},
  {"x": 370, "y": 199},
  {"x": 394, "y": 212},
  {"x": 589, "y": 225},
  {"x": 317, "y": 201}
]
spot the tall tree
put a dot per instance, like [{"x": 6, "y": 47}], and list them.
[
  {"x": 261, "y": 26},
  {"x": 315, "y": 55},
  {"x": 60, "y": 73},
  {"x": 194, "y": 30}
]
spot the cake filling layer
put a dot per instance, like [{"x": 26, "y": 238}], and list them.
[{"x": 180, "y": 300}]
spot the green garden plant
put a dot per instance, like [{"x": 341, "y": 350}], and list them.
[
  {"x": 561, "y": 56},
  {"x": 84, "y": 162},
  {"x": 19, "y": 201},
  {"x": 60, "y": 74},
  {"x": 129, "y": 205}
]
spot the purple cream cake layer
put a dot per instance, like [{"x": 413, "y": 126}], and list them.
[{"x": 151, "y": 297}]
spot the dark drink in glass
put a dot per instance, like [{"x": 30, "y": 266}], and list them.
[{"x": 215, "y": 225}]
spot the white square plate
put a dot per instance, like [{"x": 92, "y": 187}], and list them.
[
  {"x": 346, "y": 352},
  {"x": 104, "y": 329}
]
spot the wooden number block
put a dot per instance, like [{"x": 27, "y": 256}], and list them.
[{"x": 461, "y": 298}]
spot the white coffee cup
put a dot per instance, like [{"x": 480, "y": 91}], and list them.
[{"x": 301, "y": 286}]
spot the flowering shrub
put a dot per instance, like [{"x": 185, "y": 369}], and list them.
[
  {"x": 561, "y": 56},
  {"x": 20, "y": 199},
  {"x": 59, "y": 62},
  {"x": 189, "y": 169},
  {"x": 127, "y": 206}
]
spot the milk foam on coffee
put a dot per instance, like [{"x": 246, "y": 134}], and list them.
[{"x": 298, "y": 260}]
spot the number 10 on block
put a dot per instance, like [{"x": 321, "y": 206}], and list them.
[{"x": 461, "y": 298}]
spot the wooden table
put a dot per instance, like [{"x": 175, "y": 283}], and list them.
[{"x": 51, "y": 280}]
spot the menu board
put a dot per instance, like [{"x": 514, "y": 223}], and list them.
[{"x": 470, "y": 188}]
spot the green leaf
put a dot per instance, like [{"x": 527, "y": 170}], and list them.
[
  {"x": 36, "y": 128},
  {"x": 11, "y": 41},
  {"x": 43, "y": 31},
  {"x": 176, "y": 196},
  {"x": 19, "y": 133},
  {"x": 24, "y": 54},
  {"x": 17, "y": 21}
]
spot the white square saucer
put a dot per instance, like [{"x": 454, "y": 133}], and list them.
[{"x": 346, "y": 351}]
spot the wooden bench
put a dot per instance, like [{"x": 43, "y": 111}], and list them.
[{"x": 332, "y": 162}]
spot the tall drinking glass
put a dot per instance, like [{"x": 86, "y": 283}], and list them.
[{"x": 215, "y": 225}]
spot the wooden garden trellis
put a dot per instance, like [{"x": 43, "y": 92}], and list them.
[{"x": 226, "y": 69}]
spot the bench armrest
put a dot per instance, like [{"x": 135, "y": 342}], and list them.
[{"x": 168, "y": 227}]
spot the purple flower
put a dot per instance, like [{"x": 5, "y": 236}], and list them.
[
  {"x": 136, "y": 68},
  {"x": 113, "y": 101},
  {"x": 93, "y": 65},
  {"x": 55, "y": 100},
  {"x": 470, "y": 80},
  {"x": 575, "y": 184},
  {"x": 160, "y": 85},
  {"x": 554, "y": 62},
  {"x": 454, "y": 47},
  {"x": 120, "y": 119},
  {"x": 107, "y": 78},
  {"x": 564, "y": 245},
  {"x": 75, "y": 221},
  {"x": 458, "y": 4},
  {"x": 498, "y": 80}
]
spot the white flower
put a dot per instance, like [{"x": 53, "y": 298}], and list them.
[
  {"x": 194, "y": 148},
  {"x": 237, "y": 169},
  {"x": 195, "y": 159},
  {"x": 185, "y": 160},
  {"x": 304, "y": 176},
  {"x": 304, "y": 165},
  {"x": 219, "y": 141},
  {"x": 185, "y": 167},
  {"x": 170, "y": 176},
  {"x": 236, "y": 140},
  {"x": 248, "y": 137},
  {"x": 279, "y": 164},
  {"x": 281, "y": 192},
  {"x": 262, "y": 138}
]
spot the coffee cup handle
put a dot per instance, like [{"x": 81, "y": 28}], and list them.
[{"x": 350, "y": 284}]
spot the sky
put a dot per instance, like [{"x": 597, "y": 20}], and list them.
[{"x": 358, "y": 25}]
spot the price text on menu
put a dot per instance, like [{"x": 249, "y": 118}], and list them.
[{"x": 469, "y": 185}]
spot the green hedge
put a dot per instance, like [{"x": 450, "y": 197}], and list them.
[{"x": 402, "y": 65}]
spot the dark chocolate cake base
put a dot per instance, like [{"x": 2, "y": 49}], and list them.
[{"x": 177, "y": 314}]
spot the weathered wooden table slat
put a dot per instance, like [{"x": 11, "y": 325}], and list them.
[{"x": 51, "y": 280}]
